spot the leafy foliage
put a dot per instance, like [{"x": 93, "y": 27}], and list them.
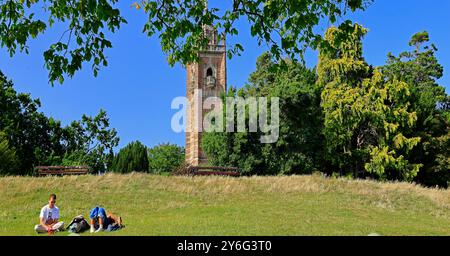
[
  {"x": 165, "y": 158},
  {"x": 84, "y": 40},
  {"x": 39, "y": 140},
  {"x": 28, "y": 131},
  {"x": 298, "y": 149},
  {"x": 421, "y": 69},
  {"x": 131, "y": 158},
  {"x": 8, "y": 159},
  {"x": 389, "y": 122},
  {"x": 365, "y": 111},
  {"x": 286, "y": 26},
  {"x": 90, "y": 142}
]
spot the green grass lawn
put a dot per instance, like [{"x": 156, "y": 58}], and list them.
[{"x": 167, "y": 205}]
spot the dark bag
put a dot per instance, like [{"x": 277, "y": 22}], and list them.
[{"x": 78, "y": 225}]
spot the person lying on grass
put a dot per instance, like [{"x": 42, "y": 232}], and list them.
[
  {"x": 103, "y": 221},
  {"x": 49, "y": 218}
]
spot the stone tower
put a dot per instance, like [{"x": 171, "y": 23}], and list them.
[{"x": 210, "y": 76}]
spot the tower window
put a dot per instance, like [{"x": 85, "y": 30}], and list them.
[{"x": 209, "y": 72}]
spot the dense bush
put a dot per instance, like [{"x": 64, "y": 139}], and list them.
[
  {"x": 165, "y": 158},
  {"x": 8, "y": 159},
  {"x": 131, "y": 158},
  {"x": 298, "y": 149}
]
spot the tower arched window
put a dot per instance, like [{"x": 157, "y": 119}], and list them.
[
  {"x": 209, "y": 72},
  {"x": 210, "y": 78}
]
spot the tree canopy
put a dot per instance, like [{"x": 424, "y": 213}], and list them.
[
  {"x": 9, "y": 163},
  {"x": 41, "y": 140},
  {"x": 347, "y": 117},
  {"x": 165, "y": 158},
  {"x": 298, "y": 149},
  {"x": 131, "y": 158},
  {"x": 287, "y": 27},
  {"x": 366, "y": 112},
  {"x": 421, "y": 70}
]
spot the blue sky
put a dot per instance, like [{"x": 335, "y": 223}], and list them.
[{"x": 138, "y": 86}]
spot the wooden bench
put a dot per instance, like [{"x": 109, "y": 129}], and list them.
[
  {"x": 213, "y": 170},
  {"x": 61, "y": 170}
]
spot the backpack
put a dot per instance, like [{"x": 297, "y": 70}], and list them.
[{"x": 78, "y": 225}]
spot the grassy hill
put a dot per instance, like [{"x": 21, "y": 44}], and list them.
[{"x": 299, "y": 205}]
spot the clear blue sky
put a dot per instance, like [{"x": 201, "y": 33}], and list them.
[{"x": 137, "y": 87}]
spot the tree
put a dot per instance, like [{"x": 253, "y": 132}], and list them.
[
  {"x": 90, "y": 141},
  {"x": 131, "y": 158},
  {"x": 298, "y": 148},
  {"x": 8, "y": 159},
  {"x": 421, "y": 69},
  {"x": 28, "y": 131},
  {"x": 178, "y": 23},
  {"x": 39, "y": 140},
  {"x": 366, "y": 112},
  {"x": 165, "y": 158}
]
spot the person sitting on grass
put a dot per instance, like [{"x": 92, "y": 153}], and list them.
[
  {"x": 49, "y": 218},
  {"x": 103, "y": 221}
]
